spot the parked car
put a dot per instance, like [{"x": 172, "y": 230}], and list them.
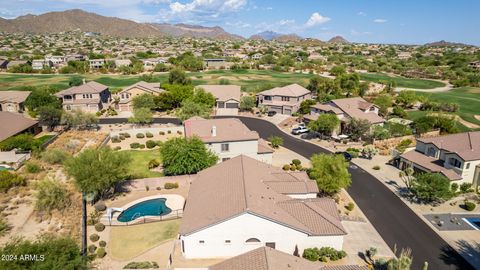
[
  {"x": 300, "y": 130},
  {"x": 271, "y": 113},
  {"x": 346, "y": 155}
]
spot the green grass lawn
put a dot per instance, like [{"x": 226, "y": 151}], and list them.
[
  {"x": 139, "y": 166},
  {"x": 401, "y": 81},
  {"x": 249, "y": 80}
]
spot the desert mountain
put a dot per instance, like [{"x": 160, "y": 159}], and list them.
[
  {"x": 443, "y": 43},
  {"x": 186, "y": 30},
  {"x": 338, "y": 40},
  {"x": 271, "y": 35}
]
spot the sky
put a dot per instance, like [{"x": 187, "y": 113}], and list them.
[{"x": 372, "y": 21}]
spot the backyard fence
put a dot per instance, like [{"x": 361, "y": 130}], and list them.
[{"x": 175, "y": 214}]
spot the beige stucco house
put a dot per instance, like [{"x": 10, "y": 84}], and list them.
[
  {"x": 457, "y": 156},
  {"x": 90, "y": 97},
  {"x": 283, "y": 100},
  {"x": 123, "y": 99},
  {"x": 227, "y": 98},
  {"x": 12, "y": 101}
]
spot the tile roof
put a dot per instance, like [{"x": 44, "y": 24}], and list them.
[
  {"x": 354, "y": 108},
  {"x": 86, "y": 88},
  {"x": 465, "y": 145},
  {"x": 13, "y": 123},
  {"x": 223, "y": 92},
  {"x": 292, "y": 90},
  {"x": 227, "y": 130},
  {"x": 263, "y": 147},
  {"x": 13, "y": 96},
  {"x": 146, "y": 86},
  {"x": 327, "y": 108},
  {"x": 244, "y": 188},
  {"x": 430, "y": 164}
]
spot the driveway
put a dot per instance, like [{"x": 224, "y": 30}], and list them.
[{"x": 399, "y": 226}]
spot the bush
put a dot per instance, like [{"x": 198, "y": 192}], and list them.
[
  {"x": 126, "y": 135},
  {"x": 151, "y": 144},
  {"x": 101, "y": 252},
  {"x": 9, "y": 180},
  {"x": 322, "y": 254},
  {"x": 354, "y": 152},
  {"x": 402, "y": 146},
  {"x": 100, "y": 206},
  {"x": 179, "y": 132},
  {"x": 117, "y": 148},
  {"x": 169, "y": 132},
  {"x": 140, "y": 135},
  {"x": 102, "y": 243},
  {"x": 153, "y": 163},
  {"x": 299, "y": 167},
  {"x": 54, "y": 156},
  {"x": 169, "y": 185},
  {"x": 161, "y": 133},
  {"x": 275, "y": 141},
  {"x": 293, "y": 167},
  {"x": 469, "y": 206},
  {"x": 296, "y": 162},
  {"x": 286, "y": 167},
  {"x": 376, "y": 167},
  {"x": 121, "y": 137},
  {"x": 141, "y": 265},
  {"x": 466, "y": 187},
  {"x": 32, "y": 167},
  {"x": 149, "y": 135},
  {"x": 94, "y": 237},
  {"x": 135, "y": 145},
  {"x": 116, "y": 139},
  {"x": 311, "y": 254},
  {"x": 99, "y": 227},
  {"x": 350, "y": 206},
  {"x": 141, "y": 146},
  {"x": 4, "y": 227},
  {"x": 454, "y": 187},
  {"x": 51, "y": 195},
  {"x": 92, "y": 248}
]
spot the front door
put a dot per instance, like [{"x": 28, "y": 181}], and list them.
[{"x": 270, "y": 244}]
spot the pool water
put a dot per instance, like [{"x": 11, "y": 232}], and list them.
[
  {"x": 475, "y": 222},
  {"x": 153, "y": 207}
]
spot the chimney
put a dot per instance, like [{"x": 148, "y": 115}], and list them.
[
  {"x": 214, "y": 131},
  {"x": 84, "y": 81}
]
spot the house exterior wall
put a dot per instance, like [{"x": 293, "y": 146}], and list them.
[
  {"x": 246, "y": 226},
  {"x": 11, "y": 107},
  {"x": 280, "y": 106},
  {"x": 126, "y": 100},
  {"x": 248, "y": 148}
]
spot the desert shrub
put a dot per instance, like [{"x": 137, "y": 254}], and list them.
[
  {"x": 126, "y": 135},
  {"x": 376, "y": 167},
  {"x": 169, "y": 132},
  {"x": 94, "y": 237},
  {"x": 275, "y": 141},
  {"x": 51, "y": 195},
  {"x": 179, "y": 132},
  {"x": 102, "y": 243},
  {"x": 469, "y": 206},
  {"x": 299, "y": 167},
  {"x": 101, "y": 252},
  {"x": 296, "y": 162},
  {"x": 92, "y": 248},
  {"x": 293, "y": 167},
  {"x": 161, "y": 133},
  {"x": 311, "y": 254},
  {"x": 454, "y": 187},
  {"x": 140, "y": 135},
  {"x": 54, "y": 156},
  {"x": 466, "y": 187},
  {"x": 100, "y": 206},
  {"x": 402, "y": 146},
  {"x": 153, "y": 163},
  {"x": 354, "y": 152},
  {"x": 4, "y": 226},
  {"x": 151, "y": 144},
  {"x": 350, "y": 206},
  {"x": 135, "y": 145},
  {"x": 9, "y": 180},
  {"x": 99, "y": 227},
  {"x": 121, "y": 137},
  {"x": 286, "y": 167},
  {"x": 323, "y": 254},
  {"x": 149, "y": 135},
  {"x": 115, "y": 139},
  {"x": 169, "y": 185},
  {"x": 141, "y": 146},
  {"x": 141, "y": 265},
  {"x": 117, "y": 148},
  {"x": 94, "y": 218},
  {"x": 32, "y": 167}
]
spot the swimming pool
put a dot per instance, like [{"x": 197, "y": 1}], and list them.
[
  {"x": 5, "y": 168},
  {"x": 475, "y": 222},
  {"x": 153, "y": 207}
]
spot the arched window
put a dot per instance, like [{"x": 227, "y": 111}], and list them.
[{"x": 252, "y": 240}]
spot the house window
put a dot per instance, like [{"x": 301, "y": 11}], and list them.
[
  {"x": 285, "y": 99},
  {"x": 372, "y": 108},
  {"x": 201, "y": 242},
  {"x": 268, "y": 98},
  {"x": 455, "y": 162},
  {"x": 225, "y": 159},
  {"x": 431, "y": 152},
  {"x": 252, "y": 240},
  {"x": 68, "y": 108},
  {"x": 467, "y": 166},
  {"x": 225, "y": 147}
]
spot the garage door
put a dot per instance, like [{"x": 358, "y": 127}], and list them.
[
  {"x": 275, "y": 109},
  {"x": 232, "y": 105},
  {"x": 287, "y": 111}
]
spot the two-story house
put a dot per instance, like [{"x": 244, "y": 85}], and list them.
[
  {"x": 228, "y": 138},
  {"x": 457, "y": 156},
  {"x": 13, "y": 101},
  {"x": 90, "y": 97},
  {"x": 346, "y": 109},
  {"x": 96, "y": 63},
  {"x": 123, "y": 99},
  {"x": 283, "y": 100},
  {"x": 227, "y": 98}
]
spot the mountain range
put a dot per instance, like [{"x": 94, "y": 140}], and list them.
[{"x": 271, "y": 35}]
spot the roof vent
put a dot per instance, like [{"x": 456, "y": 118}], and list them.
[{"x": 214, "y": 131}]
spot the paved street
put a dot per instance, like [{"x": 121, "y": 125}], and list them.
[{"x": 399, "y": 226}]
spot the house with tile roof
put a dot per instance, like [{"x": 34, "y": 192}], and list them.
[
  {"x": 457, "y": 156},
  {"x": 13, "y": 101},
  {"x": 236, "y": 206},
  {"x": 123, "y": 99},
  {"x": 283, "y": 100},
  {"x": 227, "y": 98},
  {"x": 90, "y": 97},
  {"x": 13, "y": 124},
  {"x": 228, "y": 138}
]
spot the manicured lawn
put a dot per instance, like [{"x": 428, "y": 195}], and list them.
[
  {"x": 250, "y": 80},
  {"x": 127, "y": 242},
  {"x": 401, "y": 81},
  {"x": 139, "y": 166}
]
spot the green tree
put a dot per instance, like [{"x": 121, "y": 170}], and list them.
[
  {"x": 305, "y": 106},
  {"x": 203, "y": 97},
  {"x": 431, "y": 188},
  {"x": 41, "y": 97},
  {"x": 174, "y": 96},
  {"x": 141, "y": 116},
  {"x": 75, "y": 81},
  {"x": 338, "y": 70},
  {"x": 330, "y": 172},
  {"x": 406, "y": 98},
  {"x": 275, "y": 141},
  {"x": 384, "y": 101},
  {"x": 191, "y": 108},
  {"x": 247, "y": 103},
  {"x": 186, "y": 156},
  {"x": 325, "y": 124},
  {"x": 49, "y": 116},
  {"x": 143, "y": 101},
  {"x": 78, "y": 119},
  {"x": 98, "y": 170},
  {"x": 51, "y": 195},
  {"x": 178, "y": 76},
  {"x": 21, "y": 142},
  {"x": 349, "y": 84},
  {"x": 357, "y": 128},
  {"x": 59, "y": 253}
]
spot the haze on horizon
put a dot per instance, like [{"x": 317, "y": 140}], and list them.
[{"x": 370, "y": 21}]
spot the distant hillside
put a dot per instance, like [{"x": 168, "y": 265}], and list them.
[
  {"x": 186, "y": 30},
  {"x": 288, "y": 38},
  {"x": 338, "y": 40},
  {"x": 271, "y": 35},
  {"x": 443, "y": 43}
]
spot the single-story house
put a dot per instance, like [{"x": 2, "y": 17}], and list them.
[
  {"x": 12, "y": 101},
  {"x": 13, "y": 124},
  {"x": 456, "y": 156},
  {"x": 39, "y": 64},
  {"x": 228, "y": 138},
  {"x": 126, "y": 96},
  {"x": 227, "y": 98},
  {"x": 283, "y": 100},
  {"x": 242, "y": 204},
  {"x": 90, "y": 97},
  {"x": 122, "y": 62}
]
